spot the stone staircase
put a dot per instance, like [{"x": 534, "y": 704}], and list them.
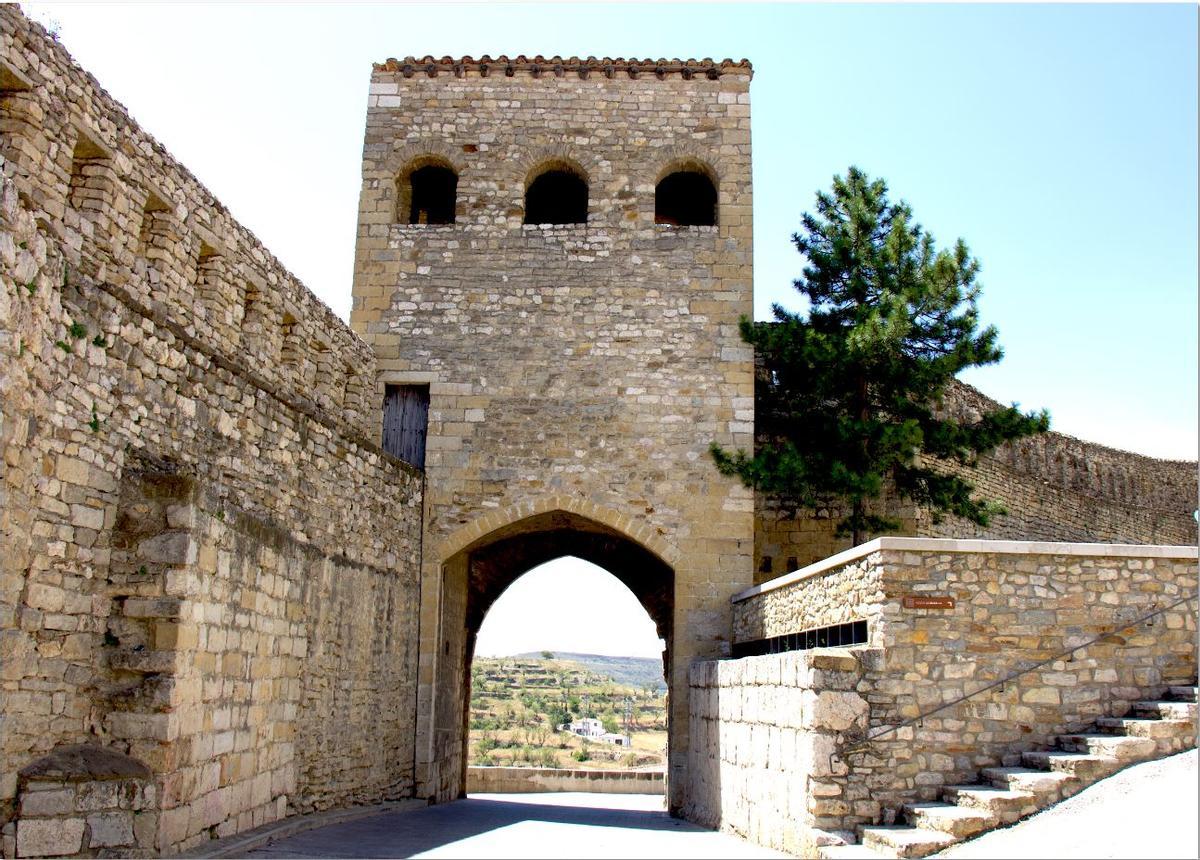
[{"x": 1009, "y": 794}]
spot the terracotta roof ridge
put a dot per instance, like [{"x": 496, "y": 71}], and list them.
[{"x": 559, "y": 66}]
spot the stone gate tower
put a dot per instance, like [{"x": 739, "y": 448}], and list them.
[{"x": 552, "y": 259}]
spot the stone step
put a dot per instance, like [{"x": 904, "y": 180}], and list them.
[
  {"x": 1167, "y": 710},
  {"x": 1007, "y": 805},
  {"x": 851, "y": 852},
  {"x": 1123, "y": 749},
  {"x": 1183, "y": 694},
  {"x": 961, "y": 822},
  {"x": 1046, "y": 785},
  {"x": 906, "y": 841},
  {"x": 1084, "y": 768},
  {"x": 1136, "y": 728}
]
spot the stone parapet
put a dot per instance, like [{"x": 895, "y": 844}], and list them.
[{"x": 525, "y": 780}]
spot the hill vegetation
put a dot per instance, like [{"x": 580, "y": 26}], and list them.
[
  {"x": 519, "y": 704},
  {"x": 631, "y": 671}
]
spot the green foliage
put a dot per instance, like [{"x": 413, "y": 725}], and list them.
[
  {"x": 582, "y": 754},
  {"x": 851, "y": 392},
  {"x": 77, "y": 331},
  {"x": 547, "y": 655},
  {"x": 485, "y": 745},
  {"x": 95, "y": 422},
  {"x": 32, "y": 287},
  {"x": 609, "y": 721},
  {"x": 99, "y": 341},
  {"x": 65, "y": 347}
]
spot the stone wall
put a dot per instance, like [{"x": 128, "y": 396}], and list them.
[
  {"x": 85, "y": 801},
  {"x": 525, "y": 780},
  {"x": 766, "y": 732},
  {"x": 204, "y": 563},
  {"x": 1055, "y": 488},
  {"x": 1003, "y": 607},
  {"x": 577, "y": 368}
]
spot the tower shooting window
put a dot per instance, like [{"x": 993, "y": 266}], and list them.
[
  {"x": 558, "y": 194},
  {"x": 427, "y": 193},
  {"x": 686, "y": 197}
]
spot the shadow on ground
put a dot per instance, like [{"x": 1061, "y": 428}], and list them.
[{"x": 559, "y": 825}]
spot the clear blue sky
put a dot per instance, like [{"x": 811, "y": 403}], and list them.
[{"x": 1059, "y": 141}]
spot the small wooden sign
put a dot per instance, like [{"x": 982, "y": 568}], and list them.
[{"x": 922, "y": 601}]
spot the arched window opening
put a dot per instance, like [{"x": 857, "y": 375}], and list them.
[
  {"x": 427, "y": 194},
  {"x": 686, "y": 198},
  {"x": 551, "y": 686},
  {"x": 558, "y": 195}
]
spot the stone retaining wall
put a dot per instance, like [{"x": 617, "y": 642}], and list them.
[
  {"x": 526, "y": 780},
  {"x": 945, "y": 619}
]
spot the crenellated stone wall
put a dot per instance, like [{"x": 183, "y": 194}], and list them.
[
  {"x": 206, "y": 563},
  {"x": 1054, "y": 487},
  {"x": 127, "y": 214}
]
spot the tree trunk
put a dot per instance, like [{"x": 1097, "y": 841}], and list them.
[{"x": 864, "y": 414}]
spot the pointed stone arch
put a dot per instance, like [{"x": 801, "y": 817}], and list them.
[
  {"x": 479, "y": 561},
  {"x": 502, "y": 518}
]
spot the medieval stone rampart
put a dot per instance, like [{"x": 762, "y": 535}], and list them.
[
  {"x": 1054, "y": 487},
  {"x": 206, "y": 564}
]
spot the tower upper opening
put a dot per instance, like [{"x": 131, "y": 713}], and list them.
[{"x": 557, "y": 195}]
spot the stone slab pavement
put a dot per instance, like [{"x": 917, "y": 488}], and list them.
[
  {"x": 559, "y": 825},
  {"x": 1147, "y": 810}
]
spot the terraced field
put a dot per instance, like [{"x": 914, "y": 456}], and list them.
[{"x": 517, "y": 703}]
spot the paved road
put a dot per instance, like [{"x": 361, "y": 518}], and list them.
[
  {"x": 521, "y": 825},
  {"x": 1148, "y": 810}
]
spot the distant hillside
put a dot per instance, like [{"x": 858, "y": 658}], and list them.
[{"x": 634, "y": 671}]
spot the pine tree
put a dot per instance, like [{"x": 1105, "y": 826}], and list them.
[{"x": 851, "y": 392}]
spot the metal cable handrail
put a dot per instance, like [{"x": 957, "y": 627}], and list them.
[{"x": 867, "y": 737}]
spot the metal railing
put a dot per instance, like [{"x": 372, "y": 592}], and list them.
[{"x": 858, "y": 744}]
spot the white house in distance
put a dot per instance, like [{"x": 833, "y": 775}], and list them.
[{"x": 592, "y": 729}]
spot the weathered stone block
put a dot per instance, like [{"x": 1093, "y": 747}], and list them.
[
  {"x": 54, "y": 837},
  {"x": 110, "y": 829},
  {"x": 42, "y": 804}
]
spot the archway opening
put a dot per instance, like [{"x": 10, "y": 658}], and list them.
[
  {"x": 427, "y": 193},
  {"x": 557, "y": 195},
  {"x": 567, "y": 674},
  {"x": 686, "y": 197},
  {"x": 474, "y": 578}
]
